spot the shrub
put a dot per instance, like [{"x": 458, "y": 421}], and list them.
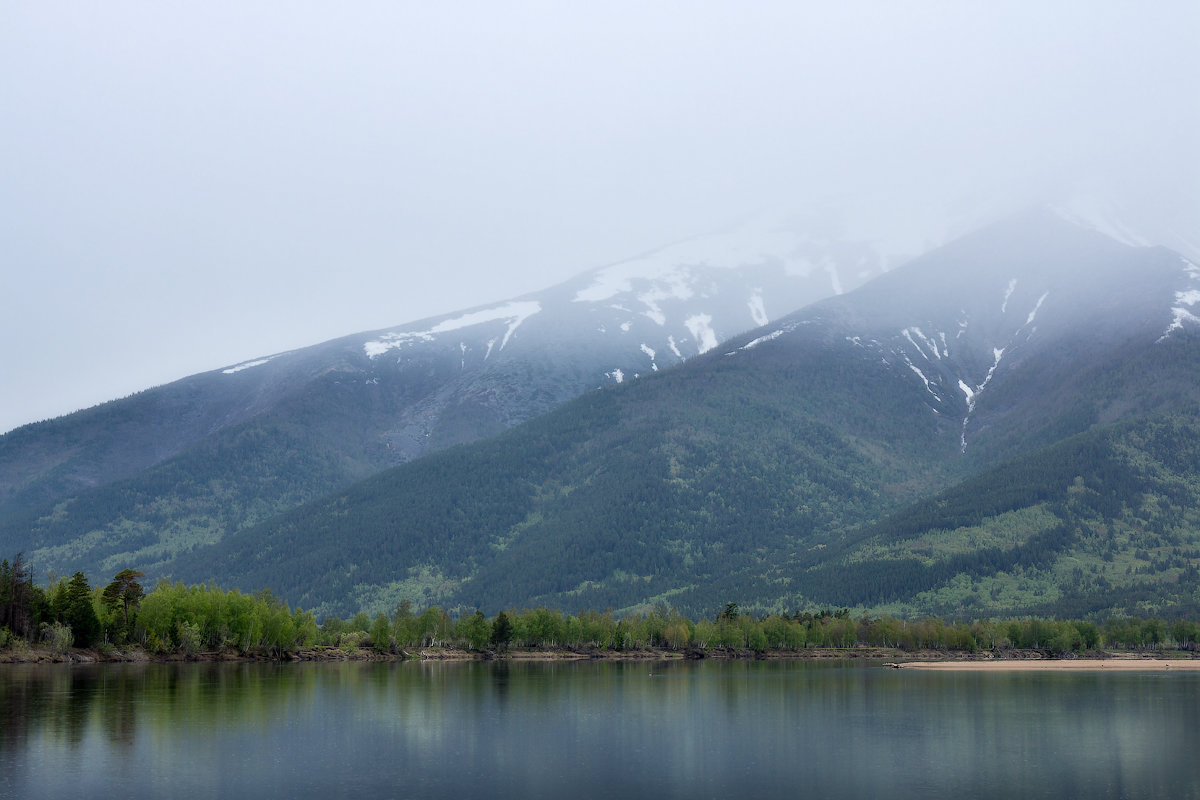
[{"x": 57, "y": 637}]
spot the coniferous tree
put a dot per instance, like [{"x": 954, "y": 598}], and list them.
[
  {"x": 502, "y": 631},
  {"x": 124, "y": 593},
  {"x": 78, "y": 611},
  {"x": 17, "y": 596}
]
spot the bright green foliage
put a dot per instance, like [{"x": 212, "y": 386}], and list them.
[
  {"x": 221, "y": 619},
  {"x": 473, "y": 629},
  {"x": 188, "y": 636},
  {"x": 57, "y": 637},
  {"x": 1184, "y": 632},
  {"x": 433, "y": 626},
  {"x": 381, "y": 633},
  {"x": 404, "y": 625},
  {"x": 194, "y": 619}
]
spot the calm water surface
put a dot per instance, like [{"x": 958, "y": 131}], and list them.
[{"x": 580, "y": 730}]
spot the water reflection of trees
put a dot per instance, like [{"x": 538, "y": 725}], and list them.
[{"x": 424, "y": 710}]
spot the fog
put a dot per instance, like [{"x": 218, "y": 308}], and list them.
[{"x": 186, "y": 187}]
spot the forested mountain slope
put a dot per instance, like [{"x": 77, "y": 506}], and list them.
[
  {"x": 1106, "y": 522},
  {"x": 445, "y": 380},
  {"x": 747, "y": 473},
  {"x": 142, "y": 479}
]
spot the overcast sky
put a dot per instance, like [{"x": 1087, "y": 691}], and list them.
[{"x": 184, "y": 186}]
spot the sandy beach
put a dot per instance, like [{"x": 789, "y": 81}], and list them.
[{"x": 1060, "y": 665}]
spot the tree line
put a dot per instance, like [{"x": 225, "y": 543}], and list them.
[{"x": 174, "y": 617}]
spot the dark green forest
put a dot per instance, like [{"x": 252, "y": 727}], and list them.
[{"x": 1104, "y": 522}]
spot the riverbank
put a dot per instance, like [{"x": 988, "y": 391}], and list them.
[{"x": 904, "y": 659}]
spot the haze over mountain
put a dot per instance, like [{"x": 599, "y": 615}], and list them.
[
  {"x": 273, "y": 431},
  {"x": 191, "y": 186},
  {"x": 733, "y": 475},
  {"x": 483, "y": 368},
  {"x": 744, "y": 474}
]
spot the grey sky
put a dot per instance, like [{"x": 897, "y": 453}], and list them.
[{"x": 185, "y": 186}]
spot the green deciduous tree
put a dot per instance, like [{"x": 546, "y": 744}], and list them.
[
  {"x": 474, "y": 630},
  {"x": 381, "y": 633}
]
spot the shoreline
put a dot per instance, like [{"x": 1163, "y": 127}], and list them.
[{"x": 991, "y": 661}]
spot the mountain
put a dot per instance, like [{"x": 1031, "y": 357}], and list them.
[
  {"x": 144, "y": 478},
  {"x": 1021, "y": 385}
]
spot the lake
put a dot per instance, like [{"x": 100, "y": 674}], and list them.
[{"x": 593, "y": 729}]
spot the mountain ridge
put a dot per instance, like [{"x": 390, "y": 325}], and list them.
[
  {"x": 690, "y": 483},
  {"x": 784, "y": 437}
]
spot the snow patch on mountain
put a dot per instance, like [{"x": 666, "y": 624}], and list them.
[
  {"x": 514, "y": 313},
  {"x": 258, "y": 362},
  {"x": 928, "y": 385},
  {"x": 759, "y": 340},
  {"x": 973, "y": 394},
  {"x": 1012, "y": 284},
  {"x": 751, "y": 244},
  {"x": 1181, "y": 316},
  {"x": 650, "y": 352},
  {"x": 927, "y": 343},
  {"x": 1186, "y": 297},
  {"x": 700, "y": 326},
  {"x": 758, "y": 311},
  {"x": 927, "y": 352},
  {"x": 653, "y": 312},
  {"x": 674, "y": 287},
  {"x": 1038, "y": 305},
  {"x": 835, "y": 280}
]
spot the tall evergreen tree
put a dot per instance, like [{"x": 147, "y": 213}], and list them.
[
  {"x": 78, "y": 611},
  {"x": 16, "y": 596},
  {"x": 502, "y": 631}
]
